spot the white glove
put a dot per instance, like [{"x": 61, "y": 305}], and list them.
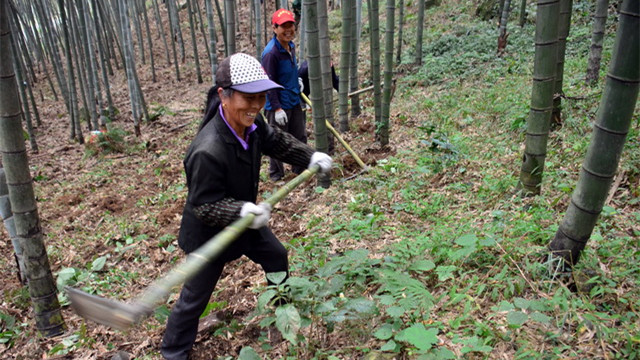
[
  {"x": 281, "y": 117},
  {"x": 262, "y": 212},
  {"x": 301, "y": 84},
  {"x": 323, "y": 160}
]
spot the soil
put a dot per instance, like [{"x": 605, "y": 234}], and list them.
[{"x": 79, "y": 194}]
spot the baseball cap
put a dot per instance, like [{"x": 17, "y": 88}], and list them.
[
  {"x": 244, "y": 73},
  {"x": 282, "y": 16}
]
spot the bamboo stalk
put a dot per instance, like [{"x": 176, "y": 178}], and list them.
[{"x": 337, "y": 135}]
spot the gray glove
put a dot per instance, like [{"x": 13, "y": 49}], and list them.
[
  {"x": 323, "y": 160},
  {"x": 261, "y": 211},
  {"x": 281, "y": 117},
  {"x": 301, "y": 84}
]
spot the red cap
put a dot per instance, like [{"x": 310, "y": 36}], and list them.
[{"x": 282, "y": 16}]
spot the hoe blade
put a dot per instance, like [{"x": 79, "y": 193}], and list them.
[{"x": 115, "y": 314}]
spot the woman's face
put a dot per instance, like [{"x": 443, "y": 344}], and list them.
[
  {"x": 240, "y": 109},
  {"x": 285, "y": 32}
]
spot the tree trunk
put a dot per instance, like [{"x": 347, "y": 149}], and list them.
[
  {"x": 382, "y": 130},
  {"x": 419, "y": 32},
  {"x": 223, "y": 28},
  {"x": 523, "y": 12},
  {"x": 73, "y": 102},
  {"x": 503, "y": 35},
  {"x": 563, "y": 32},
  {"x": 129, "y": 64},
  {"x": 597, "y": 38},
  {"x": 354, "y": 84},
  {"x": 325, "y": 66},
  {"x": 315, "y": 82},
  {"x": 538, "y": 122},
  {"x": 102, "y": 50},
  {"x": 172, "y": 32},
  {"x": 345, "y": 52},
  {"x": 258, "y": 26},
  {"x": 10, "y": 226},
  {"x": 149, "y": 41},
  {"x": 374, "y": 33},
  {"x": 213, "y": 39},
  {"x": 400, "y": 28},
  {"x": 194, "y": 44},
  {"x": 160, "y": 28},
  {"x": 230, "y": 25},
  {"x": 85, "y": 41},
  {"x": 42, "y": 286},
  {"x": 610, "y": 130}
]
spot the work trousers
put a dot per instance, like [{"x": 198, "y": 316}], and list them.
[
  {"x": 261, "y": 246},
  {"x": 296, "y": 126}
]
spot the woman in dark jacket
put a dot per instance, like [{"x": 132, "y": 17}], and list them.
[{"x": 223, "y": 168}]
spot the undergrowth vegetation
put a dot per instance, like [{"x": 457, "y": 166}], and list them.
[{"x": 434, "y": 255}]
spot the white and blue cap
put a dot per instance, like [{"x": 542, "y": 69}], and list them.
[{"x": 242, "y": 72}]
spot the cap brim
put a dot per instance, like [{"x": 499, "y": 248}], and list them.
[{"x": 256, "y": 86}]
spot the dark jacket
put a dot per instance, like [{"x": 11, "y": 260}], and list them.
[
  {"x": 282, "y": 67},
  {"x": 303, "y": 72},
  {"x": 222, "y": 176}
]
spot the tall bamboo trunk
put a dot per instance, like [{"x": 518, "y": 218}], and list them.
[
  {"x": 382, "y": 130},
  {"x": 523, "y": 12},
  {"x": 230, "y": 25},
  {"x": 374, "y": 34},
  {"x": 502, "y": 33},
  {"x": 597, "y": 38},
  {"x": 315, "y": 81},
  {"x": 419, "y": 33},
  {"x": 400, "y": 30},
  {"x": 159, "y": 28},
  {"x": 610, "y": 130},
  {"x": 354, "y": 84},
  {"x": 42, "y": 286},
  {"x": 213, "y": 39},
  {"x": 325, "y": 66},
  {"x": 149, "y": 41},
  {"x": 194, "y": 44},
  {"x": 345, "y": 52},
  {"x": 564, "y": 25},
  {"x": 538, "y": 122}
]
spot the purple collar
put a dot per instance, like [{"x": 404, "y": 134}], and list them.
[{"x": 244, "y": 142}]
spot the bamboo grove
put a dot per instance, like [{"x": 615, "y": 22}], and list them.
[
  {"x": 79, "y": 47},
  {"x": 76, "y": 49}
]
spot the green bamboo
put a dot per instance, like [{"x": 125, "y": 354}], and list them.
[
  {"x": 564, "y": 25},
  {"x": 42, "y": 286},
  {"x": 597, "y": 38},
  {"x": 122, "y": 316},
  {"x": 345, "y": 52},
  {"x": 382, "y": 129},
  {"x": 538, "y": 122},
  {"x": 374, "y": 36},
  {"x": 610, "y": 130},
  {"x": 315, "y": 81}
]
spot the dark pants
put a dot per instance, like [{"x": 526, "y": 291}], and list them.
[
  {"x": 261, "y": 246},
  {"x": 296, "y": 126}
]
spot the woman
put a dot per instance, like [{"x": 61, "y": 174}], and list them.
[{"x": 222, "y": 167}]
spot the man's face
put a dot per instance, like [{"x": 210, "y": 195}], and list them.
[{"x": 285, "y": 32}]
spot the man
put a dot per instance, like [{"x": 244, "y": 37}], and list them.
[
  {"x": 283, "y": 108},
  {"x": 222, "y": 167}
]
